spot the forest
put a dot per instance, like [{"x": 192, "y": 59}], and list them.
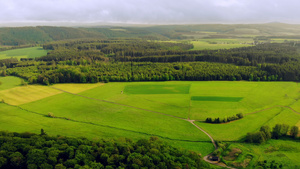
[
  {"x": 94, "y": 60},
  {"x": 279, "y": 131},
  {"x": 28, "y": 150}
]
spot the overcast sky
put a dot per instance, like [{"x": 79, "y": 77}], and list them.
[{"x": 151, "y": 11}]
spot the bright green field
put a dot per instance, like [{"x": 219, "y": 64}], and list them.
[
  {"x": 220, "y": 43},
  {"x": 157, "y": 89},
  {"x": 9, "y": 82},
  {"x": 256, "y": 96},
  {"x": 147, "y": 109},
  {"x": 23, "y": 53},
  {"x": 15, "y": 119},
  {"x": 237, "y": 130}
]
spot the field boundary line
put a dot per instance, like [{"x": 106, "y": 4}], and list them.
[
  {"x": 118, "y": 104},
  {"x": 272, "y": 108},
  {"x": 106, "y": 126}
]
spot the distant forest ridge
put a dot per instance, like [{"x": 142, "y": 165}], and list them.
[
  {"x": 16, "y": 36},
  {"x": 89, "y": 61}
]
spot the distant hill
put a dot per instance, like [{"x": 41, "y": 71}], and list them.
[
  {"x": 15, "y": 36},
  {"x": 39, "y": 35}
]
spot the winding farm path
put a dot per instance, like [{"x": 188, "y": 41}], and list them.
[
  {"x": 212, "y": 140},
  {"x": 188, "y": 120},
  {"x": 206, "y": 158}
]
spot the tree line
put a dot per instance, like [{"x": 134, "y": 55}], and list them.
[
  {"x": 81, "y": 72},
  {"x": 139, "y": 50},
  {"x": 92, "y": 60},
  {"x": 265, "y": 133},
  {"x": 27, "y": 150},
  {"x": 225, "y": 119}
]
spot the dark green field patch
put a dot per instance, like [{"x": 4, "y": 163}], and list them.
[
  {"x": 157, "y": 89},
  {"x": 216, "y": 98}
]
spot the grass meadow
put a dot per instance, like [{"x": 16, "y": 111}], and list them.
[
  {"x": 31, "y": 52},
  {"x": 220, "y": 43},
  {"x": 143, "y": 109},
  {"x": 9, "y": 82},
  {"x": 237, "y": 130}
]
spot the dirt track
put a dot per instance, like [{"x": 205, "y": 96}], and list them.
[{"x": 188, "y": 120}]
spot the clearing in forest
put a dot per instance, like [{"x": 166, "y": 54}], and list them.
[{"x": 31, "y": 52}]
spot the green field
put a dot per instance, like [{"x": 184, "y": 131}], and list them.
[
  {"x": 157, "y": 89},
  {"x": 220, "y": 43},
  {"x": 31, "y": 52},
  {"x": 9, "y": 82},
  {"x": 251, "y": 123},
  {"x": 147, "y": 109}
]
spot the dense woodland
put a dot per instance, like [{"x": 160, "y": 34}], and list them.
[
  {"x": 92, "y": 60},
  {"x": 279, "y": 131},
  {"x": 106, "y": 54},
  {"x": 27, "y": 150}
]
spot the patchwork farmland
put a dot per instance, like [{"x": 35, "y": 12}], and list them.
[{"x": 143, "y": 109}]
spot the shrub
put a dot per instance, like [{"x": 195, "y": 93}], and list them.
[
  {"x": 51, "y": 115},
  {"x": 224, "y": 120}
]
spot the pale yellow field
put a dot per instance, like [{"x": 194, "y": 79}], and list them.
[
  {"x": 76, "y": 88},
  {"x": 26, "y": 94}
]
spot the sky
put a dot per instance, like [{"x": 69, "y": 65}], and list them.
[{"x": 150, "y": 11}]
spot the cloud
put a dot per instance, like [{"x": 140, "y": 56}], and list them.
[{"x": 154, "y": 11}]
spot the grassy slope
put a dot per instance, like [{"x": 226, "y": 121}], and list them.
[
  {"x": 9, "y": 82},
  {"x": 173, "y": 104},
  {"x": 26, "y": 94},
  {"x": 93, "y": 118},
  {"x": 238, "y": 129},
  {"x": 16, "y": 120},
  {"x": 82, "y": 109},
  {"x": 23, "y": 53},
  {"x": 122, "y": 118},
  {"x": 256, "y": 96}
]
